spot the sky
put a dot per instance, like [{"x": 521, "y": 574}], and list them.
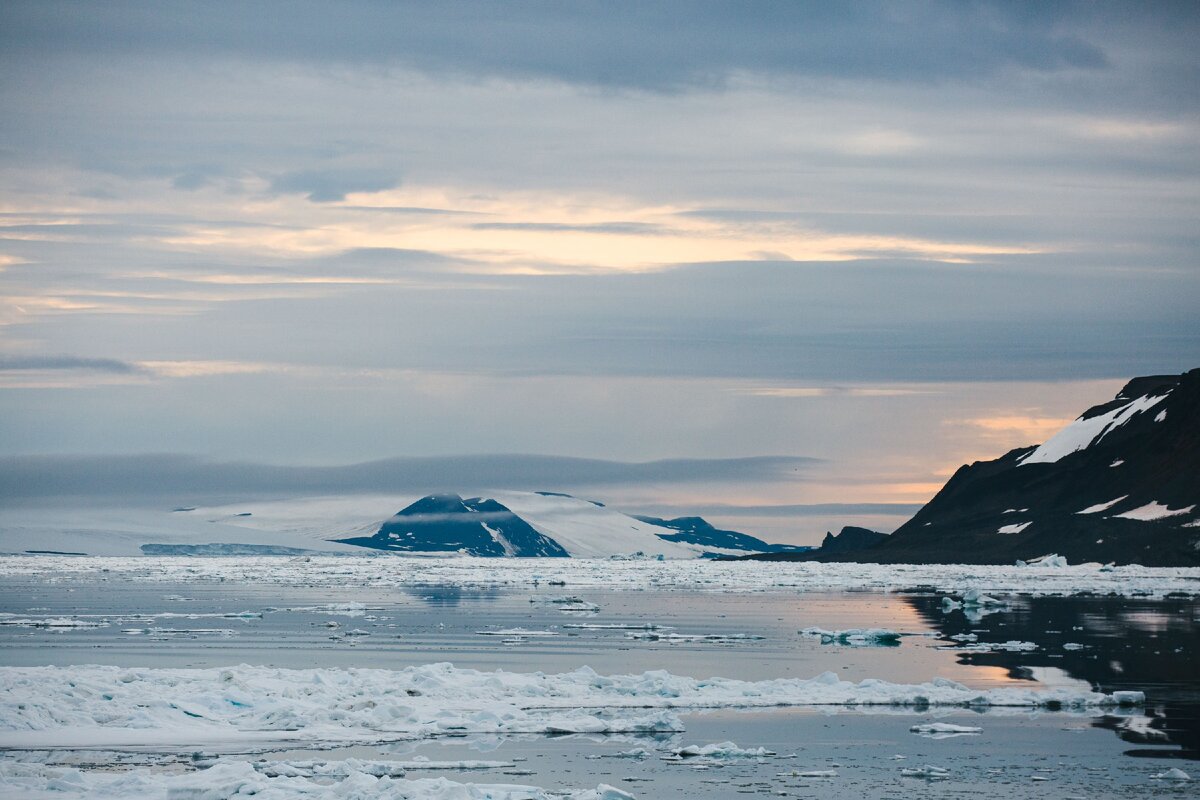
[{"x": 785, "y": 264}]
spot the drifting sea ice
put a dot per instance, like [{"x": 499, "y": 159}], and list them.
[
  {"x": 758, "y": 576},
  {"x": 944, "y": 730},
  {"x": 721, "y": 750},
  {"x": 855, "y": 637},
  {"x": 97, "y": 706},
  {"x": 927, "y": 771},
  {"x": 240, "y": 778}
]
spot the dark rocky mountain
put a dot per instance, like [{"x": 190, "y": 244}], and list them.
[
  {"x": 851, "y": 539},
  {"x": 1120, "y": 484},
  {"x": 697, "y": 530},
  {"x": 546, "y": 524},
  {"x": 448, "y": 523}
]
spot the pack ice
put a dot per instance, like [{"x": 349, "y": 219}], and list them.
[{"x": 90, "y": 706}]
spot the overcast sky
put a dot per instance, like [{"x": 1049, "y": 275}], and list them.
[{"x": 795, "y": 254}]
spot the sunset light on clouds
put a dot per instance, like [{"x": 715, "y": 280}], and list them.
[{"x": 888, "y": 239}]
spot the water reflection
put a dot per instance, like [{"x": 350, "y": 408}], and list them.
[
  {"x": 450, "y": 596},
  {"x": 1112, "y": 644}
]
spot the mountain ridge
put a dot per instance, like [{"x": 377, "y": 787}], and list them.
[{"x": 1119, "y": 484}]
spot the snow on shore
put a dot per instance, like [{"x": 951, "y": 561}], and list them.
[
  {"x": 96, "y": 706},
  {"x": 393, "y": 571}
]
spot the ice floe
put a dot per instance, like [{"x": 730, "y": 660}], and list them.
[
  {"x": 242, "y": 779},
  {"x": 677, "y": 638},
  {"x": 112, "y": 706},
  {"x": 54, "y": 623},
  {"x": 401, "y": 571},
  {"x": 721, "y": 750},
  {"x": 856, "y": 637},
  {"x": 1011, "y": 646},
  {"x": 1174, "y": 774},
  {"x": 944, "y": 730}
]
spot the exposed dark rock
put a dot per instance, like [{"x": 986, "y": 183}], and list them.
[{"x": 448, "y": 523}]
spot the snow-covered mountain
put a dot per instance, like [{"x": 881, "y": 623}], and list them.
[
  {"x": 697, "y": 530},
  {"x": 1121, "y": 483},
  {"x": 544, "y": 524},
  {"x": 538, "y": 524}
]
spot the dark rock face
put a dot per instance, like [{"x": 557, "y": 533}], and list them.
[
  {"x": 696, "y": 530},
  {"x": 1120, "y": 484},
  {"x": 850, "y": 539},
  {"x": 448, "y": 523}
]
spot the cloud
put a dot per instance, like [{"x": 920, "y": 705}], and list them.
[
  {"x": 794, "y": 510},
  {"x": 627, "y": 228},
  {"x": 660, "y": 46},
  {"x": 148, "y": 476},
  {"x": 794, "y": 392},
  {"x": 55, "y": 363},
  {"x": 332, "y": 185}
]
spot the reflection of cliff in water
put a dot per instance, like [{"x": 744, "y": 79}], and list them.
[{"x": 1150, "y": 645}]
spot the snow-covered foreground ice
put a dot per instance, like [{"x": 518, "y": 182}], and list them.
[
  {"x": 399, "y": 571},
  {"x": 97, "y": 706},
  {"x": 241, "y": 779}
]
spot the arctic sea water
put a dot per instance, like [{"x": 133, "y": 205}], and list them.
[{"x": 156, "y": 617}]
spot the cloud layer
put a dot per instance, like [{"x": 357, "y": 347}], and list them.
[
  {"x": 159, "y": 476},
  {"x": 894, "y": 237}
]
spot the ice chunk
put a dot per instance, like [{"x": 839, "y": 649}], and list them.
[
  {"x": 1052, "y": 560},
  {"x": 676, "y": 638},
  {"x": 928, "y": 771},
  {"x": 809, "y": 773},
  {"x": 1015, "y": 527},
  {"x": 974, "y": 597},
  {"x": 856, "y": 637},
  {"x": 722, "y": 750},
  {"x": 944, "y": 730},
  {"x": 1174, "y": 774},
  {"x": 1011, "y": 646}
]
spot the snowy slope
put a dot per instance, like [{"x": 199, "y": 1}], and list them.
[
  {"x": 123, "y": 531},
  {"x": 581, "y": 528},
  {"x": 586, "y": 530}
]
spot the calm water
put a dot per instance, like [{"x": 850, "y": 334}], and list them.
[{"x": 1109, "y": 644}]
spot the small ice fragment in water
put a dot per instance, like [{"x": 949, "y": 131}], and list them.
[
  {"x": 1174, "y": 774},
  {"x": 856, "y": 637},
  {"x": 944, "y": 730},
  {"x": 722, "y": 750}
]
